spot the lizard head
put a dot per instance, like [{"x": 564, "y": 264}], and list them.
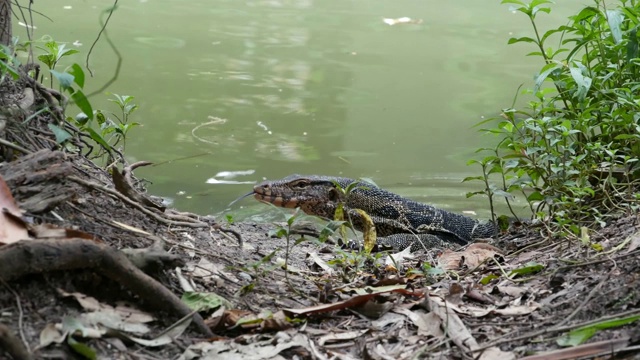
[{"x": 315, "y": 195}]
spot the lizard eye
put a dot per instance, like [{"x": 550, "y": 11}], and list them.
[{"x": 300, "y": 184}]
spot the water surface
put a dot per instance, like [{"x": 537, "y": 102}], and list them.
[{"x": 274, "y": 87}]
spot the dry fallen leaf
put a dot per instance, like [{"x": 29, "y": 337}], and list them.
[
  {"x": 476, "y": 311},
  {"x": 12, "y": 228},
  {"x": 474, "y": 255},
  {"x": 252, "y": 348},
  {"x": 6, "y": 199},
  {"x": 49, "y": 335},
  {"x": 397, "y": 260},
  {"x": 456, "y": 291},
  {"x": 355, "y": 300},
  {"x": 126, "y": 313},
  {"x": 317, "y": 261},
  {"x": 340, "y": 336},
  {"x": 428, "y": 324},
  {"x": 513, "y": 291}
]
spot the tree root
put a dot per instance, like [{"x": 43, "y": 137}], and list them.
[
  {"x": 42, "y": 256},
  {"x": 12, "y": 345},
  {"x": 124, "y": 185},
  {"x": 163, "y": 218},
  {"x": 39, "y": 180},
  {"x": 56, "y": 107},
  {"x": 153, "y": 258}
]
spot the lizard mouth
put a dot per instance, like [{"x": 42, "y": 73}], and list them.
[{"x": 264, "y": 195}]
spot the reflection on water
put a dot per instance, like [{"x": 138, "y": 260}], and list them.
[{"x": 290, "y": 86}]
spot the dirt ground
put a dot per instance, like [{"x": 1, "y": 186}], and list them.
[{"x": 527, "y": 294}]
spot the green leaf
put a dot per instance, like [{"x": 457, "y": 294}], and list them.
[
  {"x": 522, "y": 39},
  {"x": 47, "y": 59},
  {"x": 626, "y": 136},
  {"x": 229, "y": 218},
  {"x": 544, "y": 73},
  {"x": 535, "y": 3},
  {"x": 65, "y": 79},
  {"x": 474, "y": 193},
  {"x": 83, "y": 103},
  {"x": 580, "y": 335},
  {"x": 535, "y": 196},
  {"x": 369, "y": 180},
  {"x": 5, "y": 67},
  {"x": 576, "y": 337},
  {"x": 78, "y": 74},
  {"x": 614, "y": 17},
  {"x": 553, "y": 31},
  {"x": 529, "y": 268},
  {"x": 100, "y": 118},
  {"x": 586, "y": 13},
  {"x": 81, "y": 348},
  {"x": 487, "y": 279},
  {"x": 97, "y": 138},
  {"x": 536, "y": 9},
  {"x": 583, "y": 82},
  {"x": 202, "y": 301},
  {"x": 61, "y": 134},
  {"x": 470, "y": 178},
  {"x": 278, "y": 232},
  {"x": 62, "y": 52},
  {"x": 503, "y": 194},
  {"x": 81, "y": 119}
]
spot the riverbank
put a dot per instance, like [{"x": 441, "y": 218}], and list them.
[{"x": 76, "y": 287}]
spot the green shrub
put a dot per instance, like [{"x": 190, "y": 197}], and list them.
[{"x": 573, "y": 149}]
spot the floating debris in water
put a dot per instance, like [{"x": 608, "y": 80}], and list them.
[
  {"x": 402, "y": 20},
  {"x": 228, "y": 182},
  {"x": 232, "y": 174}
]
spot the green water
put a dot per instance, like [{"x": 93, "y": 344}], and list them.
[{"x": 275, "y": 87}]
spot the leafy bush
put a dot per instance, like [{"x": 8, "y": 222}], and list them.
[
  {"x": 71, "y": 80},
  {"x": 573, "y": 149}
]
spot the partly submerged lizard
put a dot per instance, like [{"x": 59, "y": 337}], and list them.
[{"x": 400, "y": 222}]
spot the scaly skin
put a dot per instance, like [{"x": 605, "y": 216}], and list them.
[{"x": 397, "y": 220}]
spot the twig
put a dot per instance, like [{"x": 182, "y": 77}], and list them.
[
  {"x": 588, "y": 298},
  {"x": 159, "y": 218},
  {"x": 15, "y": 2},
  {"x": 14, "y": 146},
  {"x": 113, "y": 47},
  {"x": 20, "y": 315},
  {"x": 29, "y": 28}
]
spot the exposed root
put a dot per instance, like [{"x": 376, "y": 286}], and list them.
[
  {"x": 43, "y": 256},
  {"x": 12, "y": 344}
]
